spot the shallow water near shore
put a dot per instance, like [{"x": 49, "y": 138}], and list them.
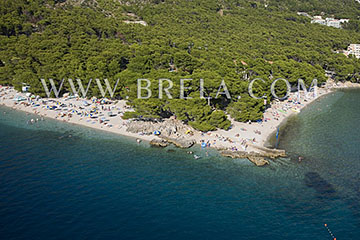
[{"x": 60, "y": 181}]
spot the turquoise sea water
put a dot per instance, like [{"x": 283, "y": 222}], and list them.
[{"x": 96, "y": 185}]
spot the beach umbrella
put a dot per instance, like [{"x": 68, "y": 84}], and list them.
[
  {"x": 157, "y": 132},
  {"x": 203, "y": 145}
]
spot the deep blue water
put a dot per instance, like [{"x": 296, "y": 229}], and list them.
[{"x": 96, "y": 185}]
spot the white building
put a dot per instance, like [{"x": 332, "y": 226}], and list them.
[
  {"x": 337, "y": 22},
  {"x": 330, "y": 22},
  {"x": 136, "y": 22},
  {"x": 333, "y": 23},
  {"x": 354, "y": 49},
  {"x": 344, "y": 20}
]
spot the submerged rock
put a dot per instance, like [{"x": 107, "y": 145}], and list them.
[
  {"x": 323, "y": 188},
  {"x": 258, "y": 158},
  {"x": 234, "y": 154},
  {"x": 268, "y": 152}
]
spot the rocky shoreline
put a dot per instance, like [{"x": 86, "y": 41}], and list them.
[
  {"x": 174, "y": 132},
  {"x": 159, "y": 143},
  {"x": 178, "y": 142},
  {"x": 258, "y": 158}
]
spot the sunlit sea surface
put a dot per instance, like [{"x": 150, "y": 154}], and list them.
[{"x": 62, "y": 181}]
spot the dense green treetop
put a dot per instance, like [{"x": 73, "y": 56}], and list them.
[{"x": 216, "y": 40}]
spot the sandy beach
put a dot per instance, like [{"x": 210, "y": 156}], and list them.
[{"x": 106, "y": 115}]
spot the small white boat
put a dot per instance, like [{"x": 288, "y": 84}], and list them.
[{"x": 197, "y": 156}]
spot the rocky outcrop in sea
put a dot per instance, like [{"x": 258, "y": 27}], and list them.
[
  {"x": 258, "y": 158},
  {"x": 159, "y": 142},
  {"x": 180, "y": 142}
]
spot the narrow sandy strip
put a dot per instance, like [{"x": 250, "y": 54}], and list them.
[{"x": 241, "y": 137}]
